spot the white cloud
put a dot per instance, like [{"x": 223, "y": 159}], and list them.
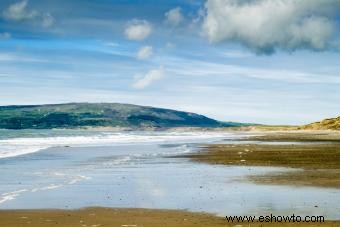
[
  {"x": 174, "y": 16},
  {"x": 5, "y": 35},
  {"x": 267, "y": 25},
  {"x": 145, "y": 53},
  {"x": 19, "y": 12},
  {"x": 138, "y": 30},
  {"x": 143, "y": 81}
]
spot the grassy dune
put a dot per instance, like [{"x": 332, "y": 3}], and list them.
[{"x": 330, "y": 123}]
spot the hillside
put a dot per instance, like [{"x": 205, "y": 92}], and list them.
[
  {"x": 99, "y": 115},
  {"x": 331, "y": 123}
]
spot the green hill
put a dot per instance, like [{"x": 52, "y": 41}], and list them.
[
  {"x": 331, "y": 123},
  {"x": 99, "y": 115}
]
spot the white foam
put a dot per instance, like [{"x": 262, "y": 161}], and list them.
[
  {"x": 21, "y": 146},
  {"x": 10, "y": 195},
  {"x": 7, "y": 196},
  {"x": 78, "y": 179},
  {"x": 48, "y": 187}
]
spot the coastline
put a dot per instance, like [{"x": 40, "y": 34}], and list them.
[{"x": 143, "y": 217}]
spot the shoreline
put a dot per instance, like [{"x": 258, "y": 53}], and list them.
[{"x": 127, "y": 217}]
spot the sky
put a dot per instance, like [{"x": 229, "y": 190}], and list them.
[{"x": 256, "y": 61}]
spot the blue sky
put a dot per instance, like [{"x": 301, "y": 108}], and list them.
[{"x": 262, "y": 61}]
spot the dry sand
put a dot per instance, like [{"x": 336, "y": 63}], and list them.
[{"x": 110, "y": 217}]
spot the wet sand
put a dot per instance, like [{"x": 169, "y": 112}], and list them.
[
  {"x": 317, "y": 164},
  {"x": 100, "y": 217}
]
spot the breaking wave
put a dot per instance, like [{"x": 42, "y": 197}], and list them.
[{"x": 20, "y": 146}]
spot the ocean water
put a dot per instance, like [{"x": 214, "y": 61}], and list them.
[
  {"x": 14, "y": 143},
  {"x": 74, "y": 168}
]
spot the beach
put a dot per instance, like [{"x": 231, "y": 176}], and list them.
[
  {"x": 159, "y": 174},
  {"x": 169, "y": 113},
  {"x": 314, "y": 156},
  {"x": 97, "y": 217}
]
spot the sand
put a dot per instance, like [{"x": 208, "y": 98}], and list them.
[
  {"x": 318, "y": 160},
  {"x": 100, "y": 217},
  {"x": 297, "y": 136}
]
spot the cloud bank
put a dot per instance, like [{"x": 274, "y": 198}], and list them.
[
  {"x": 143, "y": 81},
  {"x": 267, "y": 25},
  {"x": 138, "y": 30}
]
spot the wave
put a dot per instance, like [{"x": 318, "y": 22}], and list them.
[
  {"x": 21, "y": 146},
  {"x": 11, "y": 195},
  {"x": 69, "y": 180}
]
